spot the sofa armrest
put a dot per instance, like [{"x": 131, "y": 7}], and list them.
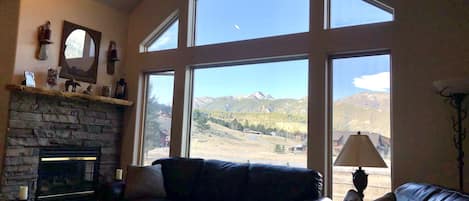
[
  {"x": 321, "y": 199},
  {"x": 113, "y": 191}
]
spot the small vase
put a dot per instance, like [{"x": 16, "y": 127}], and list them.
[
  {"x": 106, "y": 91},
  {"x": 53, "y": 77}
]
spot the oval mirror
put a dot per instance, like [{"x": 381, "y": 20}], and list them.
[
  {"x": 79, "y": 50},
  {"x": 79, "y": 53}
]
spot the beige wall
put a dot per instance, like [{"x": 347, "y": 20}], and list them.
[
  {"x": 20, "y": 20},
  {"x": 9, "y": 11},
  {"x": 142, "y": 22},
  {"x": 89, "y": 13},
  {"x": 428, "y": 41}
]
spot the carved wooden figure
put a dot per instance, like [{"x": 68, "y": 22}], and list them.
[
  {"x": 71, "y": 83},
  {"x": 111, "y": 57}
]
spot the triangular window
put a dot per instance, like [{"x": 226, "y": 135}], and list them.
[
  {"x": 346, "y": 13},
  {"x": 167, "y": 40},
  {"x": 164, "y": 37}
]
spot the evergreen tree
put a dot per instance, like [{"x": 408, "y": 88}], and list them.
[{"x": 201, "y": 119}]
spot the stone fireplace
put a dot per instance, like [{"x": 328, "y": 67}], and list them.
[{"x": 40, "y": 124}]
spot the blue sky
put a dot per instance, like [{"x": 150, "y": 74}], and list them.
[
  {"x": 360, "y": 74},
  {"x": 287, "y": 79},
  {"x": 224, "y": 21}
]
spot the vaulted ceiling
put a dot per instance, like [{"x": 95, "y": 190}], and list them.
[{"x": 123, "y": 5}]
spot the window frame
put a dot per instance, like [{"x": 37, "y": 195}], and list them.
[
  {"x": 192, "y": 28},
  {"x": 228, "y": 64},
  {"x": 159, "y": 31},
  {"x": 330, "y": 102},
  {"x": 377, "y": 3},
  {"x": 318, "y": 45},
  {"x": 143, "y": 108}
]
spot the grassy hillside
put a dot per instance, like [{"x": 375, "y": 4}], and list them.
[{"x": 364, "y": 111}]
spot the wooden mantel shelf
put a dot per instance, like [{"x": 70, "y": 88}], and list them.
[{"x": 75, "y": 96}]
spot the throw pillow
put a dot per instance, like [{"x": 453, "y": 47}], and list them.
[
  {"x": 180, "y": 176},
  {"x": 142, "y": 182}
]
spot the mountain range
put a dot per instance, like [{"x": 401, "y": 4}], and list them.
[{"x": 367, "y": 111}]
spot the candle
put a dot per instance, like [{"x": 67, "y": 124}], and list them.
[
  {"x": 23, "y": 194},
  {"x": 119, "y": 174}
]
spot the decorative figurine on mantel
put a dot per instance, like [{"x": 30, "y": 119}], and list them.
[
  {"x": 71, "y": 83},
  {"x": 52, "y": 77},
  {"x": 44, "y": 34},
  {"x": 111, "y": 57},
  {"x": 121, "y": 89}
]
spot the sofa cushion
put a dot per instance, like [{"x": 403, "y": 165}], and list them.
[
  {"x": 180, "y": 176},
  {"x": 221, "y": 181},
  {"x": 421, "y": 191},
  {"x": 415, "y": 191},
  {"x": 458, "y": 196},
  {"x": 279, "y": 183},
  {"x": 144, "y": 182},
  {"x": 449, "y": 195}
]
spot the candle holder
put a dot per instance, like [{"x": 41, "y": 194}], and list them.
[
  {"x": 23, "y": 193},
  {"x": 118, "y": 176}
]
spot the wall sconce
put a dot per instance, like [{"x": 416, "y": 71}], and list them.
[
  {"x": 111, "y": 57},
  {"x": 43, "y": 36}
]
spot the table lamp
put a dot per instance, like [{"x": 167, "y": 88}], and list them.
[{"x": 359, "y": 151}]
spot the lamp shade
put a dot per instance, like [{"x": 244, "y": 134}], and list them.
[
  {"x": 358, "y": 151},
  {"x": 453, "y": 86}
]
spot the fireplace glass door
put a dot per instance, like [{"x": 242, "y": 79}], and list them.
[{"x": 67, "y": 174}]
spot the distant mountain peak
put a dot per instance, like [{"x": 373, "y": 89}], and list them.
[{"x": 260, "y": 96}]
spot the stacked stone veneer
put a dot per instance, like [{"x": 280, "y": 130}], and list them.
[{"x": 37, "y": 121}]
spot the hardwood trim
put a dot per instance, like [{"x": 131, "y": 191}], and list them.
[{"x": 68, "y": 95}]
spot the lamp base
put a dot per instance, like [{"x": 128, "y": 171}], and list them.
[{"x": 360, "y": 180}]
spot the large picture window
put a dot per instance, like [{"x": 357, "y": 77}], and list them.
[
  {"x": 219, "y": 21},
  {"x": 251, "y": 113},
  {"x": 361, "y": 102},
  {"x": 248, "y": 101},
  {"x": 158, "y": 116}
]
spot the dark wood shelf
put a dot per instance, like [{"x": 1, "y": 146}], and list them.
[{"x": 74, "y": 96}]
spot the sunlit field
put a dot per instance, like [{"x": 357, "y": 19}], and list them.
[{"x": 230, "y": 145}]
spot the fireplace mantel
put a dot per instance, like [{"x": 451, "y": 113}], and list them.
[{"x": 74, "y": 96}]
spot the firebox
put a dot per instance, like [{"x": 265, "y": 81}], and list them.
[{"x": 68, "y": 174}]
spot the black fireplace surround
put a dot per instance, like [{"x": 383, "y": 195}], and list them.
[{"x": 68, "y": 174}]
